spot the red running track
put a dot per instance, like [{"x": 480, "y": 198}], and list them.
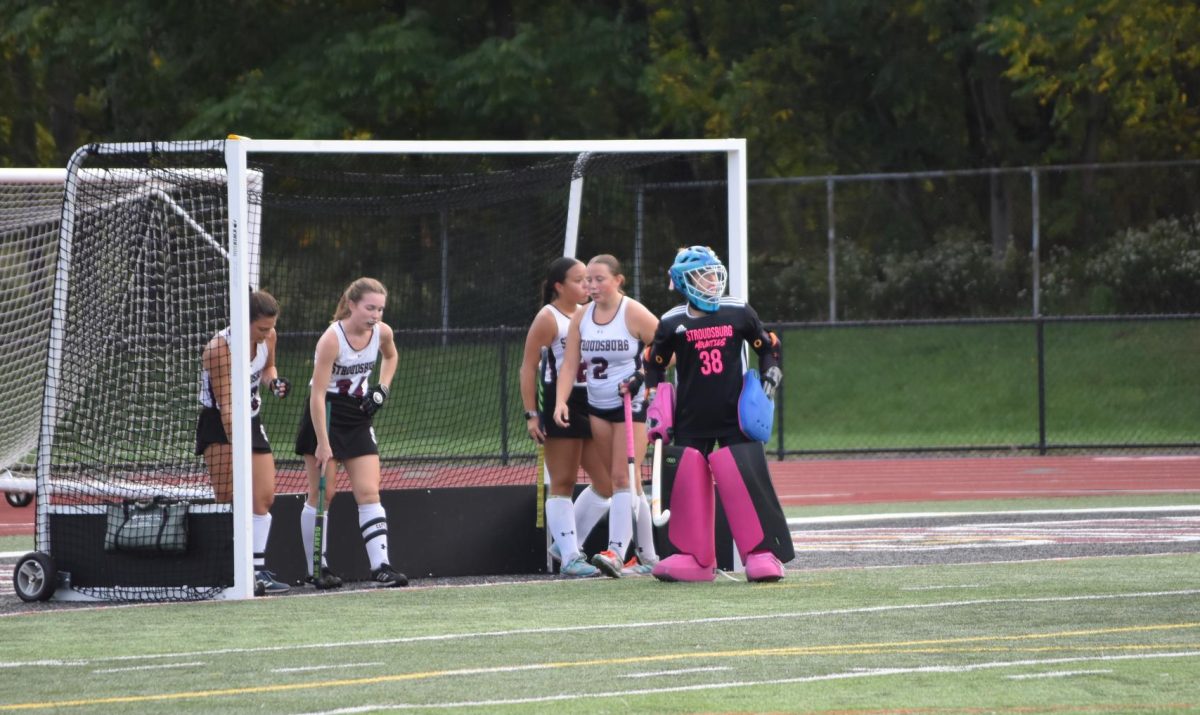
[{"x": 843, "y": 481}]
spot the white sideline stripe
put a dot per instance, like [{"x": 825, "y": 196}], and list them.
[
  {"x": 839, "y": 518},
  {"x": 1158, "y": 458},
  {"x": 941, "y": 588},
  {"x": 657, "y": 673},
  {"x": 609, "y": 627},
  {"x": 307, "y": 668},
  {"x": 750, "y": 683},
  {"x": 1056, "y": 674},
  {"x": 164, "y": 666}
]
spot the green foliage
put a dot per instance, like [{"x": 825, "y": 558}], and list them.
[
  {"x": 1155, "y": 269},
  {"x": 1114, "y": 73},
  {"x": 956, "y": 276}
]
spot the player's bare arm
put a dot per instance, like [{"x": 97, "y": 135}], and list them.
[
  {"x": 390, "y": 356},
  {"x": 541, "y": 334},
  {"x": 216, "y": 360},
  {"x": 270, "y": 372},
  {"x": 327, "y": 351},
  {"x": 570, "y": 357}
]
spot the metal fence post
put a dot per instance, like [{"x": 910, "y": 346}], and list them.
[
  {"x": 1041, "y": 383},
  {"x": 832, "y": 250},
  {"x": 1035, "y": 241}
]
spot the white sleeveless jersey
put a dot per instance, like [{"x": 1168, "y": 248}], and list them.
[
  {"x": 611, "y": 354},
  {"x": 558, "y": 350},
  {"x": 257, "y": 363},
  {"x": 352, "y": 367}
]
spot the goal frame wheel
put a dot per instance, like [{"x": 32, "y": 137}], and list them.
[
  {"x": 35, "y": 577},
  {"x": 18, "y": 499}
]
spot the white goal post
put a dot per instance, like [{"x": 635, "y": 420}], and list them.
[{"x": 239, "y": 149}]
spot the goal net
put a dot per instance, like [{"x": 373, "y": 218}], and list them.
[
  {"x": 30, "y": 205},
  {"x": 460, "y": 234}
]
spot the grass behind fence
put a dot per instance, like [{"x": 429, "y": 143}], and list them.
[
  {"x": 845, "y": 388},
  {"x": 953, "y": 385}
]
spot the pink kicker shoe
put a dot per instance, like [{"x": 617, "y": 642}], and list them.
[
  {"x": 682, "y": 567},
  {"x": 763, "y": 566}
]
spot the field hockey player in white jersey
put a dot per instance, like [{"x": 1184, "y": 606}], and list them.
[
  {"x": 607, "y": 336},
  {"x": 565, "y": 447},
  {"x": 341, "y": 390},
  {"x": 215, "y": 423}
]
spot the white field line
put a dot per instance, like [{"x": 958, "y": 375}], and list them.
[
  {"x": 334, "y": 666},
  {"x": 658, "y": 673},
  {"x": 1056, "y": 674},
  {"x": 941, "y": 588},
  {"x": 855, "y": 674},
  {"x": 150, "y": 667},
  {"x": 840, "y": 518},
  {"x": 443, "y": 637}
]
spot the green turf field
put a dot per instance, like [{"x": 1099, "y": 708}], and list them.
[{"x": 1086, "y": 635}]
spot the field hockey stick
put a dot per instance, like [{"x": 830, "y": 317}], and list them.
[
  {"x": 629, "y": 443},
  {"x": 540, "y": 468},
  {"x": 658, "y": 515},
  {"x": 319, "y": 579}
]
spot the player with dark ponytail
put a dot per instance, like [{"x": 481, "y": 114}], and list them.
[{"x": 215, "y": 424}]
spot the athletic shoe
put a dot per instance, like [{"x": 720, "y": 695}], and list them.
[
  {"x": 608, "y": 562},
  {"x": 683, "y": 567},
  {"x": 328, "y": 579},
  {"x": 578, "y": 568},
  {"x": 265, "y": 583},
  {"x": 385, "y": 577},
  {"x": 762, "y": 566},
  {"x": 555, "y": 553},
  {"x": 636, "y": 567}
]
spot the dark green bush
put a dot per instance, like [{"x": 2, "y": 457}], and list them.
[{"x": 1154, "y": 269}]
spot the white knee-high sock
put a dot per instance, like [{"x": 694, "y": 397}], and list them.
[
  {"x": 620, "y": 523},
  {"x": 372, "y": 520},
  {"x": 308, "y": 521},
  {"x": 560, "y": 517},
  {"x": 645, "y": 531},
  {"x": 589, "y": 508},
  {"x": 262, "y": 529}
]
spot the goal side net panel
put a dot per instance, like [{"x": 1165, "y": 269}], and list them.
[
  {"x": 141, "y": 286},
  {"x": 30, "y": 205}
]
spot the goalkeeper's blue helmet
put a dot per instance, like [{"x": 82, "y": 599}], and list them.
[{"x": 700, "y": 276}]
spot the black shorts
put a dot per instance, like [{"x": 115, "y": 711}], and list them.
[
  {"x": 209, "y": 430},
  {"x": 705, "y": 444},
  {"x": 577, "y": 413},
  {"x": 617, "y": 414},
  {"x": 351, "y": 433}
]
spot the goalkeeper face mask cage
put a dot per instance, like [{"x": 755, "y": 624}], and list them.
[{"x": 700, "y": 276}]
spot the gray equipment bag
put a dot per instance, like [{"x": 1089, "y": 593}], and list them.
[{"x": 158, "y": 526}]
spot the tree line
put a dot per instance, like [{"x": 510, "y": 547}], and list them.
[{"x": 816, "y": 86}]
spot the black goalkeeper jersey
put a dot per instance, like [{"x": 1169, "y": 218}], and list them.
[{"x": 708, "y": 364}]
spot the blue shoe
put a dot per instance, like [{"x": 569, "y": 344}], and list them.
[
  {"x": 266, "y": 583},
  {"x": 579, "y": 568},
  {"x": 638, "y": 566},
  {"x": 555, "y": 552}
]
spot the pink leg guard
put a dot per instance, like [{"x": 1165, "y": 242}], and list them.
[
  {"x": 693, "y": 515},
  {"x": 744, "y": 522}
]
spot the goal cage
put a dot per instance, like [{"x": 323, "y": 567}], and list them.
[{"x": 161, "y": 243}]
